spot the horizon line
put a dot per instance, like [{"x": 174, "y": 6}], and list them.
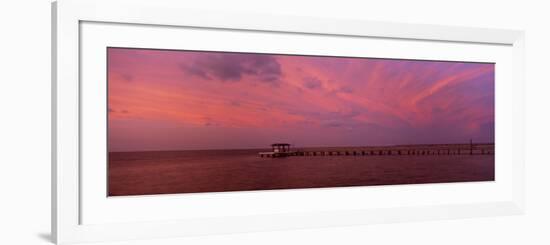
[{"x": 267, "y": 147}]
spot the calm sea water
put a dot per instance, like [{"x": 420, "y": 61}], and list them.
[
  {"x": 163, "y": 172},
  {"x": 140, "y": 173}
]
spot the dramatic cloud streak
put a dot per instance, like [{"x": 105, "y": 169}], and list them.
[{"x": 164, "y": 100}]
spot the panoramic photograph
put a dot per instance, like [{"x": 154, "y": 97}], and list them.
[{"x": 182, "y": 121}]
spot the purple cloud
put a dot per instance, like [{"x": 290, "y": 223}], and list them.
[
  {"x": 233, "y": 66},
  {"x": 312, "y": 82}
]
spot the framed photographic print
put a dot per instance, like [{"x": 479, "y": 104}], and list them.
[
  {"x": 170, "y": 122},
  {"x": 184, "y": 121}
]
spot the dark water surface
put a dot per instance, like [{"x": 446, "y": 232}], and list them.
[{"x": 140, "y": 173}]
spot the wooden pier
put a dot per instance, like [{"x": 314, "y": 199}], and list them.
[
  {"x": 283, "y": 150},
  {"x": 415, "y": 152}
]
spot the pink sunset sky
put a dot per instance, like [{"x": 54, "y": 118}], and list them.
[{"x": 188, "y": 100}]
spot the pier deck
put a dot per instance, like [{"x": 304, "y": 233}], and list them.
[{"x": 277, "y": 154}]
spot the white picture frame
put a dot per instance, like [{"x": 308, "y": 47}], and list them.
[{"x": 67, "y": 198}]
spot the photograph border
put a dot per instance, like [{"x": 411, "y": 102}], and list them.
[{"x": 66, "y": 18}]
